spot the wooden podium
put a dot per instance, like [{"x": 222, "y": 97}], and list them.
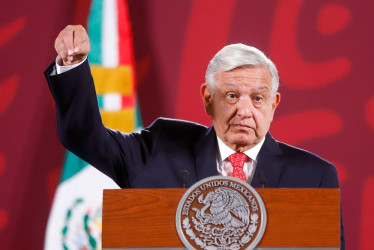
[{"x": 296, "y": 218}]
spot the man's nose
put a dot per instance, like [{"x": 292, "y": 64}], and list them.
[{"x": 245, "y": 107}]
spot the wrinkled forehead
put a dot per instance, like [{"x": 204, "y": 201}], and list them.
[
  {"x": 247, "y": 73},
  {"x": 243, "y": 68}
]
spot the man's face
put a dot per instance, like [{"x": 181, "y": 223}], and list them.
[{"x": 242, "y": 106}]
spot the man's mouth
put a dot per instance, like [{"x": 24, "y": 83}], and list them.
[{"x": 241, "y": 126}]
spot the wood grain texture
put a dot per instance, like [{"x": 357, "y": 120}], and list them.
[{"x": 146, "y": 218}]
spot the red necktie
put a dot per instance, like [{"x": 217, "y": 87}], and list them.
[{"x": 237, "y": 161}]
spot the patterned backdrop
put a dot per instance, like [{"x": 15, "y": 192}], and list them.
[{"x": 323, "y": 50}]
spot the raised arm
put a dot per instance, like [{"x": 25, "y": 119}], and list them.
[{"x": 79, "y": 123}]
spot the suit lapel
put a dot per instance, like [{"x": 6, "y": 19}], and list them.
[
  {"x": 269, "y": 165},
  {"x": 205, "y": 152},
  {"x": 268, "y": 169}
]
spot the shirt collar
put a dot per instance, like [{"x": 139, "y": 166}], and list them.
[{"x": 225, "y": 151}]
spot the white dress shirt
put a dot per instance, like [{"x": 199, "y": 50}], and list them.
[
  {"x": 224, "y": 166},
  {"x": 62, "y": 69}
]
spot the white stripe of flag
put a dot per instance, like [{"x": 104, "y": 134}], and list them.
[
  {"x": 112, "y": 102},
  {"x": 110, "y": 34}
]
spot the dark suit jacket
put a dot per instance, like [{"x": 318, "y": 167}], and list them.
[{"x": 169, "y": 153}]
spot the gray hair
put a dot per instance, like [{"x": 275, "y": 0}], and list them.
[{"x": 237, "y": 55}]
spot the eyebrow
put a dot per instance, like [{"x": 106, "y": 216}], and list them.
[
  {"x": 233, "y": 85},
  {"x": 259, "y": 89},
  {"x": 229, "y": 84}
]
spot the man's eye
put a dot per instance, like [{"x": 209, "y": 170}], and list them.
[
  {"x": 231, "y": 95},
  {"x": 258, "y": 98}
]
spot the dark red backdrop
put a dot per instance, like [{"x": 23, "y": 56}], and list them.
[{"x": 322, "y": 49}]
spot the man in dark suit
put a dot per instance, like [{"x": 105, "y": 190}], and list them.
[{"x": 240, "y": 94}]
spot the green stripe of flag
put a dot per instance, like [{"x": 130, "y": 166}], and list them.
[
  {"x": 95, "y": 31},
  {"x": 72, "y": 165},
  {"x": 100, "y": 101},
  {"x": 138, "y": 117}
]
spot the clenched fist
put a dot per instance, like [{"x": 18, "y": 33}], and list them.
[{"x": 72, "y": 45}]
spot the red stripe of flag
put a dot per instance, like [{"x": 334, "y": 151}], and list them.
[
  {"x": 128, "y": 101},
  {"x": 124, "y": 35},
  {"x": 125, "y": 42}
]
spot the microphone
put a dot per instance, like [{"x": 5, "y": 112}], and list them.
[{"x": 185, "y": 175}]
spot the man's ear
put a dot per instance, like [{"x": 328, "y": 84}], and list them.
[
  {"x": 276, "y": 100},
  {"x": 206, "y": 94},
  {"x": 274, "y": 104}
]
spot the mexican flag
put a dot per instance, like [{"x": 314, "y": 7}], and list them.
[{"x": 75, "y": 218}]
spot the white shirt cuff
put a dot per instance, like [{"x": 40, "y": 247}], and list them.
[{"x": 63, "y": 69}]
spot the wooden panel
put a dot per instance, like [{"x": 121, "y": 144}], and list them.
[
  {"x": 146, "y": 218},
  {"x": 140, "y": 218},
  {"x": 301, "y": 217}
]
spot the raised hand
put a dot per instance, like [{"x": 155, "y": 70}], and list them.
[{"x": 72, "y": 45}]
